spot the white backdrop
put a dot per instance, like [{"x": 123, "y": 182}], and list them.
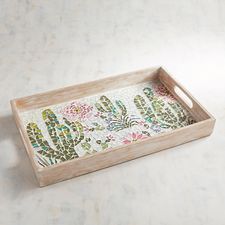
[{"x": 51, "y": 44}]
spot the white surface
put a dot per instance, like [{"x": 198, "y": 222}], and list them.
[{"x": 51, "y": 44}]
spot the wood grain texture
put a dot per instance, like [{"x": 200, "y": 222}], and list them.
[
  {"x": 100, "y": 160},
  {"x": 84, "y": 90}
]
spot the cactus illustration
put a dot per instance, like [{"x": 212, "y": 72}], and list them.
[
  {"x": 144, "y": 110},
  {"x": 63, "y": 139},
  {"x": 169, "y": 115},
  {"x": 117, "y": 118}
]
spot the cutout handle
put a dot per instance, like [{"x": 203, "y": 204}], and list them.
[{"x": 183, "y": 96}]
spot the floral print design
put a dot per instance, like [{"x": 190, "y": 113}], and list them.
[
  {"x": 95, "y": 127},
  {"x": 102, "y": 122},
  {"x": 77, "y": 111},
  {"x": 162, "y": 91},
  {"x": 105, "y": 143},
  {"x": 133, "y": 137}
]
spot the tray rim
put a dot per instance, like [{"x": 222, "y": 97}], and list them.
[{"x": 160, "y": 74}]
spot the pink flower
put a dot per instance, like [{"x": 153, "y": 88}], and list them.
[
  {"x": 132, "y": 137},
  {"x": 77, "y": 111}
]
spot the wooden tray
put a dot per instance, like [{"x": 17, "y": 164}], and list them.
[{"x": 87, "y": 127}]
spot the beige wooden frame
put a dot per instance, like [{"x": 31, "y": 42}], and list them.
[{"x": 96, "y": 161}]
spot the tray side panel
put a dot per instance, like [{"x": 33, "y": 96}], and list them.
[
  {"x": 102, "y": 160},
  {"x": 24, "y": 138}
]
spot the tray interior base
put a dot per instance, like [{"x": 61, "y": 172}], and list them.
[{"x": 103, "y": 121}]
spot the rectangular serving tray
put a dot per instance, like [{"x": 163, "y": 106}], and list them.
[{"x": 95, "y": 119}]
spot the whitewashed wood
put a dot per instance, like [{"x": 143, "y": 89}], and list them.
[{"x": 86, "y": 164}]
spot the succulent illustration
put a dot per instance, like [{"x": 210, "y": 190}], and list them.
[
  {"x": 117, "y": 118},
  {"x": 157, "y": 112},
  {"x": 64, "y": 137}
]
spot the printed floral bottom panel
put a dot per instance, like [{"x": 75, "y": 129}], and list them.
[{"x": 101, "y": 122}]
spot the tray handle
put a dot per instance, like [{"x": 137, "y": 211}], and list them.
[
  {"x": 183, "y": 96},
  {"x": 189, "y": 102}
]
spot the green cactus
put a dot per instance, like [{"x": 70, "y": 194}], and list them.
[
  {"x": 167, "y": 116},
  {"x": 60, "y": 135},
  {"x": 116, "y": 117},
  {"x": 145, "y": 111}
]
